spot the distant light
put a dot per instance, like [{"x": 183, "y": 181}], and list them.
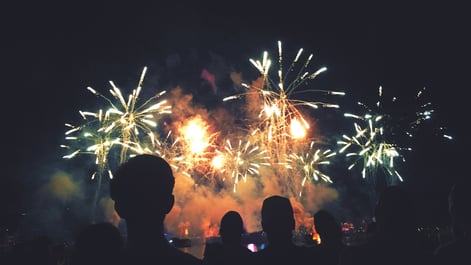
[
  {"x": 252, "y": 247},
  {"x": 262, "y": 246}
]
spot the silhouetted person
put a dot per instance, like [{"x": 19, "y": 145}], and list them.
[
  {"x": 142, "y": 189},
  {"x": 278, "y": 224},
  {"x": 330, "y": 232},
  {"x": 99, "y": 243},
  {"x": 230, "y": 250},
  {"x": 396, "y": 239},
  {"x": 457, "y": 251}
]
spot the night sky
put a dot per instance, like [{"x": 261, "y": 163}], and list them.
[{"x": 55, "y": 50}]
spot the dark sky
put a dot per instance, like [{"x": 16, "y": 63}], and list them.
[{"x": 55, "y": 50}]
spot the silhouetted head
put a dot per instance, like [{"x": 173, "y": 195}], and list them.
[
  {"x": 143, "y": 186},
  {"x": 278, "y": 218},
  {"x": 231, "y": 227},
  {"x": 327, "y": 226}
]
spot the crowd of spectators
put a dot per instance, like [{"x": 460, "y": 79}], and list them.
[{"x": 392, "y": 237}]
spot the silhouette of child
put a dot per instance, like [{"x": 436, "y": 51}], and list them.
[
  {"x": 230, "y": 250},
  {"x": 331, "y": 237}
]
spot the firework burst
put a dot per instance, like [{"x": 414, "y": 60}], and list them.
[
  {"x": 371, "y": 148},
  {"x": 239, "y": 161},
  {"x": 122, "y": 124},
  {"x": 91, "y": 138},
  {"x": 165, "y": 147},
  {"x": 281, "y": 124},
  {"x": 194, "y": 148},
  {"x": 378, "y": 134},
  {"x": 309, "y": 164},
  {"x": 128, "y": 119}
]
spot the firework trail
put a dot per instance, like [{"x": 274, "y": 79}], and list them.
[{"x": 97, "y": 141}]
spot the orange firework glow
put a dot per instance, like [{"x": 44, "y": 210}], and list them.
[
  {"x": 195, "y": 143},
  {"x": 315, "y": 236},
  {"x": 195, "y": 135}
]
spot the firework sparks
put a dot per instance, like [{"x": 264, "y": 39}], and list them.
[
  {"x": 195, "y": 146},
  {"x": 272, "y": 147},
  {"x": 240, "y": 161},
  {"x": 116, "y": 126},
  {"x": 129, "y": 118},
  {"x": 97, "y": 141},
  {"x": 92, "y": 138},
  {"x": 378, "y": 132},
  {"x": 371, "y": 148},
  {"x": 279, "y": 128},
  {"x": 425, "y": 113},
  {"x": 404, "y": 117},
  {"x": 309, "y": 164},
  {"x": 281, "y": 123}
]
